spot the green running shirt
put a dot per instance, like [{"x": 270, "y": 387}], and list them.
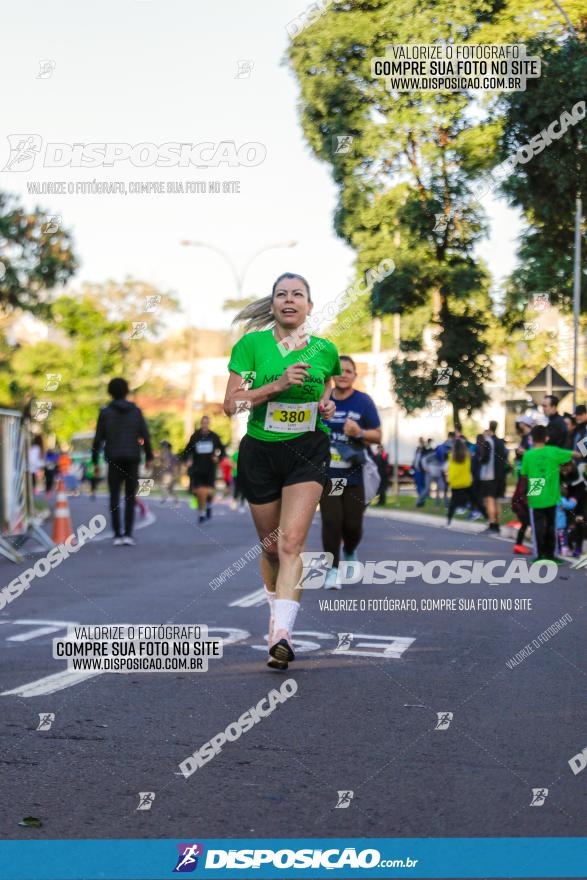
[
  {"x": 542, "y": 467},
  {"x": 258, "y": 360}
]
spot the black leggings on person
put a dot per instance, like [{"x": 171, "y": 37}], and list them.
[
  {"x": 342, "y": 520},
  {"x": 120, "y": 471},
  {"x": 460, "y": 497},
  {"x": 543, "y": 521}
]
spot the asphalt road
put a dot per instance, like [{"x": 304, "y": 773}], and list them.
[{"x": 357, "y": 723}]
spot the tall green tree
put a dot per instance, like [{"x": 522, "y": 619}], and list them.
[
  {"x": 405, "y": 184},
  {"x": 36, "y": 255},
  {"x": 406, "y": 177},
  {"x": 546, "y": 123}
]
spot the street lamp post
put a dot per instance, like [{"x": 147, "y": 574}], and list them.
[
  {"x": 239, "y": 277},
  {"x": 576, "y": 294}
]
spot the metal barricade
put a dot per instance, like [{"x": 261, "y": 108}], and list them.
[{"x": 17, "y": 520}]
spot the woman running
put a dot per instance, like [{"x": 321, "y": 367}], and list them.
[
  {"x": 282, "y": 376},
  {"x": 205, "y": 448},
  {"x": 354, "y": 423}
]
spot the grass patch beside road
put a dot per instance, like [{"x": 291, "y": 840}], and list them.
[{"x": 437, "y": 508}]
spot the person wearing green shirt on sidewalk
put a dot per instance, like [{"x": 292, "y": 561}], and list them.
[
  {"x": 541, "y": 465},
  {"x": 282, "y": 377}
]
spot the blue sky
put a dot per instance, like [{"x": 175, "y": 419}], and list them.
[{"x": 136, "y": 71}]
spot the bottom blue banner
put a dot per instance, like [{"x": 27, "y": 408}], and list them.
[{"x": 510, "y": 857}]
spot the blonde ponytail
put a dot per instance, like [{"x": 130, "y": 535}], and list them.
[{"x": 256, "y": 316}]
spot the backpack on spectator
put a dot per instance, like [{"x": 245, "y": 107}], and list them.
[{"x": 483, "y": 451}]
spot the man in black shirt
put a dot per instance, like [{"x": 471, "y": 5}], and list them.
[
  {"x": 556, "y": 429},
  {"x": 123, "y": 431},
  {"x": 578, "y": 443},
  {"x": 206, "y": 449}
]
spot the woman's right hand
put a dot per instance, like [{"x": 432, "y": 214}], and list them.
[{"x": 293, "y": 375}]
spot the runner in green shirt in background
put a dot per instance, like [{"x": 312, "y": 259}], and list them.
[{"x": 541, "y": 465}]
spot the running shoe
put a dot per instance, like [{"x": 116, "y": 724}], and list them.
[
  {"x": 349, "y": 557},
  {"x": 521, "y": 550},
  {"x": 128, "y": 541},
  {"x": 476, "y": 514},
  {"x": 201, "y": 519},
  {"x": 282, "y": 649},
  {"x": 272, "y": 663},
  {"x": 118, "y": 542},
  {"x": 331, "y": 580}
]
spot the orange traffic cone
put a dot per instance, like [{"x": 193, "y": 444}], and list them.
[{"x": 62, "y": 526}]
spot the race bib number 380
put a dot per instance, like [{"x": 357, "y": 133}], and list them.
[{"x": 291, "y": 418}]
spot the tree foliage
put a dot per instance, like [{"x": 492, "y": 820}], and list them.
[
  {"x": 545, "y": 187},
  {"x": 36, "y": 255},
  {"x": 406, "y": 177}
]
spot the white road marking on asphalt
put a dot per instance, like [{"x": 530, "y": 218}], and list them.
[
  {"x": 250, "y": 600},
  {"x": 397, "y": 645},
  {"x": 33, "y": 633},
  {"x": 50, "y": 684},
  {"x": 46, "y": 627},
  {"x": 142, "y": 523},
  {"x": 234, "y": 635}
]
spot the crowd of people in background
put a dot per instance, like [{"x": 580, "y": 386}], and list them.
[
  {"x": 468, "y": 477},
  {"x": 548, "y": 465}
]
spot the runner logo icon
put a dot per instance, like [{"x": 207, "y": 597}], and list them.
[
  {"x": 536, "y": 485},
  {"x": 23, "y": 151},
  {"x": 187, "y": 861},
  {"x": 539, "y": 795},
  {"x": 444, "y": 719},
  {"x": 315, "y": 567}
]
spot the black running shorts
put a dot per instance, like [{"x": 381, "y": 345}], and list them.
[
  {"x": 265, "y": 467},
  {"x": 203, "y": 477}
]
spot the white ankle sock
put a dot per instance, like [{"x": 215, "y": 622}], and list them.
[
  {"x": 270, "y": 600},
  {"x": 285, "y": 612}
]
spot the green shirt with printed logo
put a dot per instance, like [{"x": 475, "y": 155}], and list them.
[
  {"x": 541, "y": 466},
  {"x": 259, "y": 360}
]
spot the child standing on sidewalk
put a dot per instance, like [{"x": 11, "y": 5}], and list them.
[
  {"x": 565, "y": 506},
  {"x": 541, "y": 465}
]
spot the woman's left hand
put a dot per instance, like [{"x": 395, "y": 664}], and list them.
[{"x": 327, "y": 409}]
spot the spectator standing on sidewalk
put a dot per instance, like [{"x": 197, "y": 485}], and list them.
[
  {"x": 419, "y": 475},
  {"x": 556, "y": 430},
  {"x": 578, "y": 444},
  {"x": 492, "y": 458},
  {"x": 460, "y": 480},
  {"x": 123, "y": 432},
  {"x": 541, "y": 465}
]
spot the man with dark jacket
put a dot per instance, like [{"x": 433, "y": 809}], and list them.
[
  {"x": 123, "y": 431},
  {"x": 578, "y": 443},
  {"x": 556, "y": 429},
  {"x": 492, "y": 459}
]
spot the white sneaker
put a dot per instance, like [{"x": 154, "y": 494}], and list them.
[
  {"x": 331, "y": 578},
  {"x": 128, "y": 541},
  {"x": 118, "y": 542}
]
